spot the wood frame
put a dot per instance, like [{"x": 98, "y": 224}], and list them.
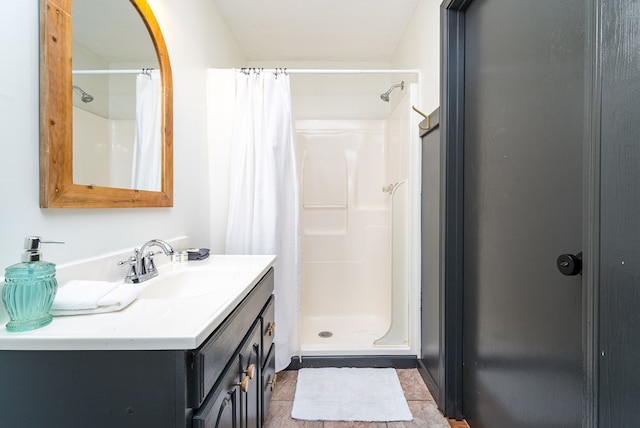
[{"x": 57, "y": 189}]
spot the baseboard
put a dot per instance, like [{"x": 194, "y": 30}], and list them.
[{"x": 359, "y": 361}]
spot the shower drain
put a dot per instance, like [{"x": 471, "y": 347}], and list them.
[{"x": 325, "y": 334}]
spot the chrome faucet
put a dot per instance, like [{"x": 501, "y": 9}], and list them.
[{"x": 141, "y": 265}]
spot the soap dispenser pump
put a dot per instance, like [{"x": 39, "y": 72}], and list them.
[{"x": 29, "y": 289}]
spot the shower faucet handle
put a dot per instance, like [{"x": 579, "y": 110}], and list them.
[{"x": 390, "y": 187}]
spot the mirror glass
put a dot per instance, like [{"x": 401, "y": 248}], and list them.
[
  {"x": 106, "y": 106},
  {"x": 114, "y": 64}
]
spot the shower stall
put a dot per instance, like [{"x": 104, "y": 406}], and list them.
[
  {"x": 358, "y": 165},
  {"x": 358, "y": 193}
]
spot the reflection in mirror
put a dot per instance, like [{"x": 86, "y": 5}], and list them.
[
  {"x": 106, "y": 106},
  {"x": 115, "y": 80}
]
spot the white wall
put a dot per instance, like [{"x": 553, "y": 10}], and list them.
[
  {"x": 419, "y": 48},
  {"x": 197, "y": 39}
]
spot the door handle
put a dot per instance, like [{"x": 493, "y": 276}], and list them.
[{"x": 569, "y": 264}]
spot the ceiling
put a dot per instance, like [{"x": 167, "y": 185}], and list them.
[
  {"x": 266, "y": 30},
  {"x": 317, "y": 30}
]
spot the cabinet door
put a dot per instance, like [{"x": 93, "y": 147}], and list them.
[
  {"x": 268, "y": 328},
  {"x": 268, "y": 381},
  {"x": 250, "y": 383},
  {"x": 221, "y": 409}
]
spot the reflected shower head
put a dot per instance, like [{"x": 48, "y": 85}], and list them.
[
  {"x": 385, "y": 97},
  {"x": 86, "y": 98}
]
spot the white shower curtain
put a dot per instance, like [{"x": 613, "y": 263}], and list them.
[
  {"x": 147, "y": 149},
  {"x": 263, "y": 213}
]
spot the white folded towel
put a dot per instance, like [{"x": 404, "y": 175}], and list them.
[
  {"x": 93, "y": 297},
  {"x": 121, "y": 296},
  {"x": 77, "y": 295}
]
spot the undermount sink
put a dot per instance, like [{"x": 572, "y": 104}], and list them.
[{"x": 188, "y": 282}]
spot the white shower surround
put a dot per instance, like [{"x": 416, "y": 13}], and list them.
[
  {"x": 105, "y": 157},
  {"x": 346, "y": 236}
]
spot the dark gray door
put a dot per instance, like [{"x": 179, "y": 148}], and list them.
[{"x": 523, "y": 137}]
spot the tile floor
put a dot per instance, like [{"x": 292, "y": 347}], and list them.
[{"x": 421, "y": 404}]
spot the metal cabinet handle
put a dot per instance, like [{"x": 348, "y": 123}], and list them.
[
  {"x": 250, "y": 371},
  {"x": 271, "y": 329},
  {"x": 244, "y": 384},
  {"x": 272, "y": 382}
]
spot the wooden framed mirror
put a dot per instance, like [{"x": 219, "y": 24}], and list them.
[{"x": 57, "y": 186}]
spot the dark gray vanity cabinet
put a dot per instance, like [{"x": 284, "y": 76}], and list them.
[
  {"x": 220, "y": 384},
  {"x": 242, "y": 395},
  {"x": 236, "y": 400}
]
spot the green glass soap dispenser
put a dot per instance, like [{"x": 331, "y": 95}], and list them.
[{"x": 29, "y": 289}]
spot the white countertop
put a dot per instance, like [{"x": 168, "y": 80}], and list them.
[{"x": 152, "y": 323}]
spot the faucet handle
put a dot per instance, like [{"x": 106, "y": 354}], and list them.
[
  {"x": 131, "y": 261},
  {"x": 131, "y": 273},
  {"x": 147, "y": 260}
]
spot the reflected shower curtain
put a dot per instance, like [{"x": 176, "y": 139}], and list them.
[
  {"x": 263, "y": 199},
  {"x": 147, "y": 148}
]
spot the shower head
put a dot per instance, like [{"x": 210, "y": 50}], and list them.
[
  {"x": 86, "y": 98},
  {"x": 385, "y": 97}
]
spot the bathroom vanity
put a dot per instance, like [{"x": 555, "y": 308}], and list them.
[{"x": 174, "y": 358}]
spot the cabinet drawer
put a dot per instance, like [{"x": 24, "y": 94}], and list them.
[
  {"x": 268, "y": 328},
  {"x": 209, "y": 361}
]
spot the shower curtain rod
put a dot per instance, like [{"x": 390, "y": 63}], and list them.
[
  {"x": 135, "y": 71},
  {"x": 345, "y": 71},
  {"x": 334, "y": 71}
]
